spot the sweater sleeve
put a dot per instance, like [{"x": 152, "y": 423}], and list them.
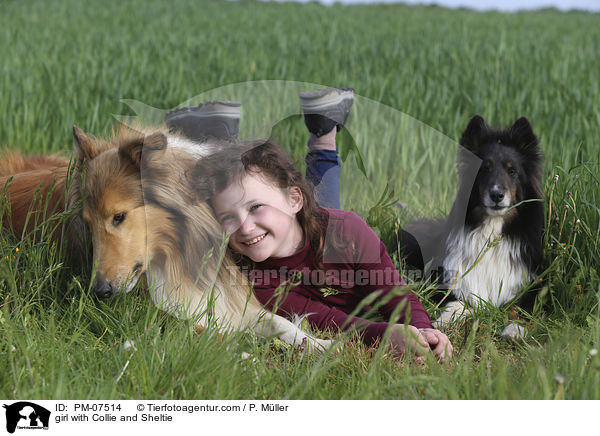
[
  {"x": 381, "y": 275},
  {"x": 322, "y": 316},
  {"x": 418, "y": 316}
]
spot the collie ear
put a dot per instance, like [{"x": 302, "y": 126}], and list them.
[
  {"x": 476, "y": 129},
  {"x": 522, "y": 134},
  {"x": 132, "y": 150},
  {"x": 85, "y": 147}
]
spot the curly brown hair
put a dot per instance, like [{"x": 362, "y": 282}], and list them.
[{"x": 234, "y": 161}]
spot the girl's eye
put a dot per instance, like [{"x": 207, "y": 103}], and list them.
[
  {"x": 118, "y": 218},
  {"x": 254, "y": 207}
]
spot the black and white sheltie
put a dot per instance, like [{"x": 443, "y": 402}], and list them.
[{"x": 490, "y": 245}]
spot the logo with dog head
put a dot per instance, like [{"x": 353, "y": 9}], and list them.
[{"x": 26, "y": 415}]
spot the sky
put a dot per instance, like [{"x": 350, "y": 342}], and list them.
[{"x": 501, "y": 5}]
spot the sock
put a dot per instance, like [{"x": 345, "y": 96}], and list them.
[{"x": 325, "y": 142}]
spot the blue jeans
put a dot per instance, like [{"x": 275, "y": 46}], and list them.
[{"x": 323, "y": 168}]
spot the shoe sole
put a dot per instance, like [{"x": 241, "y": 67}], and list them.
[
  {"x": 214, "y": 119},
  {"x": 224, "y": 109},
  {"x": 324, "y": 99}
]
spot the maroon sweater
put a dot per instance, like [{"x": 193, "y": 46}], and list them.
[{"x": 358, "y": 266}]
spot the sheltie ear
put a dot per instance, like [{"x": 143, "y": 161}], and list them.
[
  {"x": 522, "y": 134},
  {"x": 473, "y": 134},
  {"x": 85, "y": 147},
  {"x": 132, "y": 150}
]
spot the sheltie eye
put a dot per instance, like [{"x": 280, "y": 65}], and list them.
[
  {"x": 486, "y": 165},
  {"x": 118, "y": 218}
]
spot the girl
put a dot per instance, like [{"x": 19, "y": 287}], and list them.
[
  {"x": 326, "y": 260},
  {"x": 329, "y": 260}
]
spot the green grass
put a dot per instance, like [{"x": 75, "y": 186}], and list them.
[{"x": 420, "y": 72}]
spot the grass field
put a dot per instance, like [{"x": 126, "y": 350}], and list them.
[{"x": 420, "y": 72}]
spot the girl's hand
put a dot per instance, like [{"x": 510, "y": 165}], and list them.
[
  {"x": 439, "y": 342},
  {"x": 407, "y": 339}
]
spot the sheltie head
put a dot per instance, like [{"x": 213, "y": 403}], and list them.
[{"x": 507, "y": 168}]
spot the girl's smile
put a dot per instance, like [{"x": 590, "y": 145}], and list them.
[{"x": 256, "y": 240}]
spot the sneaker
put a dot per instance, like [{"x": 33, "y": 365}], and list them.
[
  {"x": 214, "y": 119},
  {"x": 326, "y": 108}
]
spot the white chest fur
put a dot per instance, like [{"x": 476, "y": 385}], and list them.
[
  {"x": 162, "y": 294},
  {"x": 483, "y": 265}
]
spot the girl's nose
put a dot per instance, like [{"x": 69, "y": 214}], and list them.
[{"x": 247, "y": 226}]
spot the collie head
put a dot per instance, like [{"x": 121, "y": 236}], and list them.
[
  {"x": 142, "y": 211},
  {"x": 506, "y": 164}
]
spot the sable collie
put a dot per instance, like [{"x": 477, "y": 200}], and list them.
[
  {"x": 490, "y": 245},
  {"x": 145, "y": 219}
]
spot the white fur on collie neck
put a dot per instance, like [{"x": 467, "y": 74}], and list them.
[
  {"x": 192, "y": 148},
  {"x": 486, "y": 267}
]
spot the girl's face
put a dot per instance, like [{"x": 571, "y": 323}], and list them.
[{"x": 261, "y": 218}]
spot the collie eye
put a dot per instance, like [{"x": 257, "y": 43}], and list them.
[
  {"x": 487, "y": 165},
  {"x": 225, "y": 219},
  {"x": 118, "y": 218},
  {"x": 512, "y": 172}
]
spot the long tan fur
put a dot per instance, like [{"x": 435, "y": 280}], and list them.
[{"x": 35, "y": 189}]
